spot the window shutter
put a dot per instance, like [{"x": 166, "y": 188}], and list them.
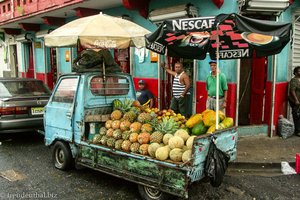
[{"x": 296, "y": 43}]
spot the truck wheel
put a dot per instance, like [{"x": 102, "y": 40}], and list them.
[
  {"x": 62, "y": 156},
  {"x": 148, "y": 193}
]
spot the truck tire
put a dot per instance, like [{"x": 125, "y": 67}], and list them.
[
  {"x": 148, "y": 193},
  {"x": 62, "y": 156}
]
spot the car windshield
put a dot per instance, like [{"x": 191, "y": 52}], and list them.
[{"x": 23, "y": 88}]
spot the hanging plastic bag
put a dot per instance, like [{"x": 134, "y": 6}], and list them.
[{"x": 216, "y": 164}]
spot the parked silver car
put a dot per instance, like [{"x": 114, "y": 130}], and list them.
[{"x": 22, "y": 102}]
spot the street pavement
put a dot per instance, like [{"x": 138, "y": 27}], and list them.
[
  {"x": 30, "y": 159},
  {"x": 263, "y": 155}
]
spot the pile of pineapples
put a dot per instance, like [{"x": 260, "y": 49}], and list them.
[{"x": 133, "y": 128}]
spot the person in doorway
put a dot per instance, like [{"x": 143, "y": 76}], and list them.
[
  {"x": 212, "y": 89},
  {"x": 180, "y": 88},
  {"x": 144, "y": 96},
  {"x": 294, "y": 99}
]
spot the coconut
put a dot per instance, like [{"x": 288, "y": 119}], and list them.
[
  {"x": 176, "y": 142},
  {"x": 166, "y": 138},
  {"x": 152, "y": 149},
  {"x": 182, "y": 133},
  {"x": 190, "y": 141},
  {"x": 176, "y": 154},
  {"x": 187, "y": 155},
  {"x": 162, "y": 153}
]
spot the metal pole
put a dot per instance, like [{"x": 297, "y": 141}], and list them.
[
  {"x": 46, "y": 63},
  {"x": 273, "y": 94},
  {"x": 159, "y": 81},
  {"x": 131, "y": 53},
  {"x": 237, "y": 91},
  {"x": 274, "y": 58},
  {"x": 217, "y": 77},
  {"x": 195, "y": 75}
]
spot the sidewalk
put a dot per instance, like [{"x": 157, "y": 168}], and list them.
[
  {"x": 262, "y": 149},
  {"x": 263, "y": 155}
]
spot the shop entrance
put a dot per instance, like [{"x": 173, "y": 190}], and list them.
[
  {"x": 29, "y": 65},
  {"x": 168, "y": 80},
  {"x": 14, "y": 61},
  {"x": 252, "y": 90},
  {"x": 53, "y": 68}
]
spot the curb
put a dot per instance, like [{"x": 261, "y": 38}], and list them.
[{"x": 261, "y": 169}]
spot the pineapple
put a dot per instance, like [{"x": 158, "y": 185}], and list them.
[
  {"x": 117, "y": 134},
  {"x": 102, "y": 130},
  {"x": 111, "y": 142},
  {"x": 103, "y": 140},
  {"x": 167, "y": 126},
  {"x": 118, "y": 144},
  {"x": 133, "y": 137},
  {"x": 144, "y": 118},
  {"x": 97, "y": 138},
  {"x": 147, "y": 128},
  {"x": 126, "y": 105},
  {"x": 125, "y": 135},
  {"x": 156, "y": 137},
  {"x": 130, "y": 116},
  {"x": 109, "y": 132},
  {"x": 134, "y": 147},
  {"x": 125, "y": 125},
  {"x": 135, "y": 127},
  {"x": 116, "y": 115},
  {"x": 126, "y": 145},
  {"x": 136, "y": 103}
]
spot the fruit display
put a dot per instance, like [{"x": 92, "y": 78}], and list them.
[{"x": 160, "y": 134}]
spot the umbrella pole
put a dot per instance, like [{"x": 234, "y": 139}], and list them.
[{"x": 217, "y": 81}]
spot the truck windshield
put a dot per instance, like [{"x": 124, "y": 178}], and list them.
[{"x": 111, "y": 85}]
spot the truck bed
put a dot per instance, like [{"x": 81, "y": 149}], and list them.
[{"x": 167, "y": 176}]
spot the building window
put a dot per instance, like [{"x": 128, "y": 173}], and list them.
[
  {"x": 3, "y": 9},
  {"x": 296, "y": 42},
  {"x": 24, "y": 2},
  {"x": 8, "y": 7},
  {"x": 18, "y": 2}
]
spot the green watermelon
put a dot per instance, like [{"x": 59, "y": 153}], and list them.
[{"x": 199, "y": 129}]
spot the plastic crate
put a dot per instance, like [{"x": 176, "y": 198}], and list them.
[{"x": 297, "y": 163}]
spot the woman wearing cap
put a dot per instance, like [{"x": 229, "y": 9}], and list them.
[
  {"x": 212, "y": 89},
  {"x": 144, "y": 96}
]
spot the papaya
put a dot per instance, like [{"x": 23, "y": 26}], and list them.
[
  {"x": 199, "y": 129},
  {"x": 228, "y": 122},
  {"x": 211, "y": 129},
  {"x": 209, "y": 118},
  {"x": 192, "y": 121},
  {"x": 221, "y": 116}
]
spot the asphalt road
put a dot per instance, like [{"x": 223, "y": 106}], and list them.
[{"x": 31, "y": 160}]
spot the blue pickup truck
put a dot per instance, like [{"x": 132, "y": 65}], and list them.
[{"x": 81, "y": 99}]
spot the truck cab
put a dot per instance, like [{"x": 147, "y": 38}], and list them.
[{"x": 80, "y": 98}]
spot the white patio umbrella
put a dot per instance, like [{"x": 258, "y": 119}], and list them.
[{"x": 98, "y": 31}]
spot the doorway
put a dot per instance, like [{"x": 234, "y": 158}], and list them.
[
  {"x": 14, "y": 61},
  {"x": 253, "y": 79},
  {"x": 28, "y": 58},
  {"x": 188, "y": 67},
  {"x": 53, "y": 68}
]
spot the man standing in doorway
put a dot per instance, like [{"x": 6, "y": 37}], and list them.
[
  {"x": 211, "y": 87},
  {"x": 180, "y": 89},
  {"x": 144, "y": 96}
]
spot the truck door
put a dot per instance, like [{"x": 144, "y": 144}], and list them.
[{"x": 60, "y": 109}]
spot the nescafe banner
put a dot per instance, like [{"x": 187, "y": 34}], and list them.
[{"x": 239, "y": 37}]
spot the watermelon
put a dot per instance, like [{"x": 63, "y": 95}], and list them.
[{"x": 199, "y": 129}]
